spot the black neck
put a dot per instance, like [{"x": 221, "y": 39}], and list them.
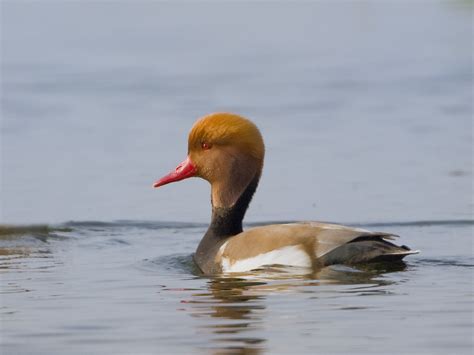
[{"x": 227, "y": 221}]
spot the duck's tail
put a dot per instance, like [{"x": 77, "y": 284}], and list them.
[{"x": 365, "y": 249}]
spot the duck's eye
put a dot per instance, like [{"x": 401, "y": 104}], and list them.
[{"x": 206, "y": 146}]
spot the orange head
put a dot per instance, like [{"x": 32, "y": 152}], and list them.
[{"x": 225, "y": 149}]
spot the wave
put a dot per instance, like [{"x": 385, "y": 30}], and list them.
[
  {"x": 186, "y": 225},
  {"x": 44, "y": 229}
]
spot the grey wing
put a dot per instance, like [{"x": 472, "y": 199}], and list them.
[{"x": 346, "y": 245}]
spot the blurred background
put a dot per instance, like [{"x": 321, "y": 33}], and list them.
[{"x": 365, "y": 107}]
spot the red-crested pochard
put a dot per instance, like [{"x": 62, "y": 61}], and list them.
[{"x": 227, "y": 150}]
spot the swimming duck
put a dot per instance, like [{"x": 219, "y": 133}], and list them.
[{"x": 228, "y": 151}]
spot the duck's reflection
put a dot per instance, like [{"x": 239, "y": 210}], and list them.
[{"x": 239, "y": 302}]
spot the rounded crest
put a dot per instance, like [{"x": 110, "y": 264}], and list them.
[{"x": 227, "y": 129}]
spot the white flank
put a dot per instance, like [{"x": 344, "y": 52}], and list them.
[
  {"x": 407, "y": 252},
  {"x": 221, "y": 249},
  {"x": 291, "y": 256}
]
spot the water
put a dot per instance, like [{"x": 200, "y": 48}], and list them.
[
  {"x": 366, "y": 110},
  {"x": 131, "y": 287}
]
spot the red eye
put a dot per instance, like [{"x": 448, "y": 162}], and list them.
[{"x": 206, "y": 146}]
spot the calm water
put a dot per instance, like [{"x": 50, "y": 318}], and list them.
[
  {"x": 366, "y": 110},
  {"x": 131, "y": 287}
]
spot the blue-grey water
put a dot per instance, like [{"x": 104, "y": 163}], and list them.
[{"x": 366, "y": 110}]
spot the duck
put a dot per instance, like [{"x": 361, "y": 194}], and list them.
[{"x": 228, "y": 150}]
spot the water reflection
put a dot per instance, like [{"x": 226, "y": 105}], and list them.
[
  {"x": 240, "y": 305},
  {"x": 239, "y": 302}
]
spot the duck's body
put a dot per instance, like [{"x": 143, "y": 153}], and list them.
[
  {"x": 306, "y": 244},
  {"x": 233, "y": 167}
]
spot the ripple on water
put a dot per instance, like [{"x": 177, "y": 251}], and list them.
[
  {"x": 458, "y": 262},
  {"x": 176, "y": 263}
]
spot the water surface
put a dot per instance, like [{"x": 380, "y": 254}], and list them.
[{"x": 131, "y": 287}]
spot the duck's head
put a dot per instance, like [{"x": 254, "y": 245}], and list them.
[{"x": 225, "y": 149}]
